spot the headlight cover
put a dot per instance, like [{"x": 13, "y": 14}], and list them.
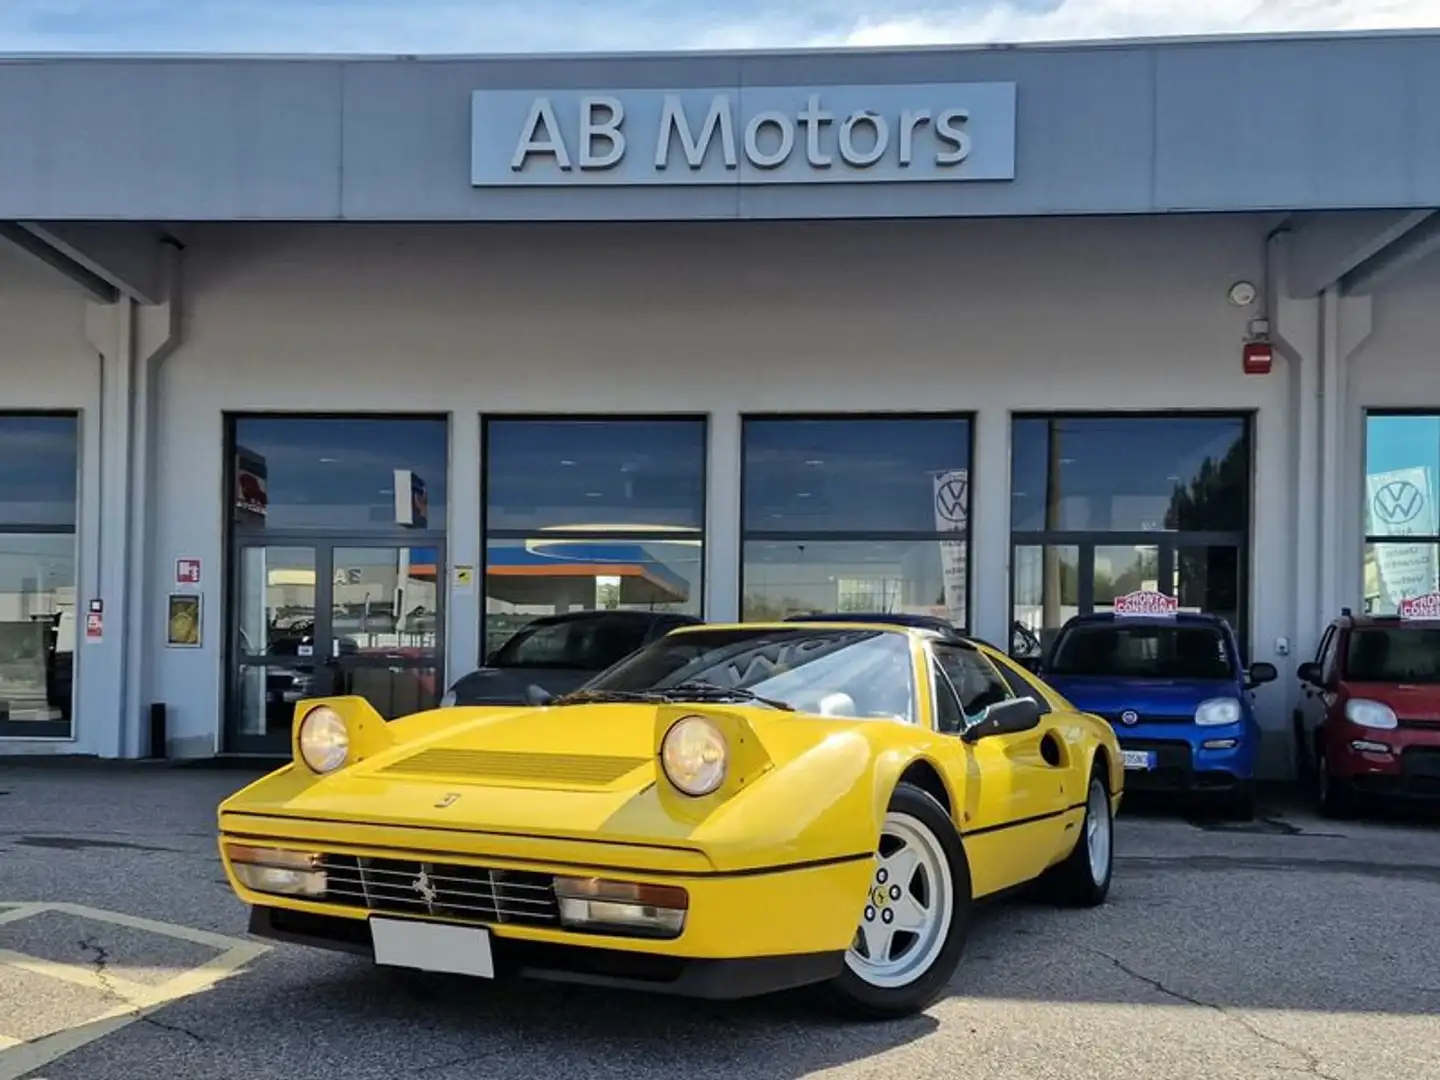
[
  {"x": 1370, "y": 714},
  {"x": 1214, "y": 712},
  {"x": 324, "y": 740},
  {"x": 694, "y": 756}
]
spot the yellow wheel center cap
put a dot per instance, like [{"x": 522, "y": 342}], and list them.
[{"x": 878, "y": 897}]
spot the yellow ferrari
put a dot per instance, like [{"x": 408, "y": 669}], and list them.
[{"x": 730, "y": 811}]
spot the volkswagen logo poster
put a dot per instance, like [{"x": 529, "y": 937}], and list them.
[{"x": 1401, "y": 502}]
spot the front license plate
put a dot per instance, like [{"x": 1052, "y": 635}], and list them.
[
  {"x": 455, "y": 950},
  {"x": 1139, "y": 759}
]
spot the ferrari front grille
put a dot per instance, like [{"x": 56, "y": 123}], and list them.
[
  {"x": 475, "y": 894},
  {"x": 589, "y": 770}
]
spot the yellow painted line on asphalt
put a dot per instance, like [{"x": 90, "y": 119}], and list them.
[
  {"x": 17, "y": 1059},
  {"x": 6, "y": 1042}
]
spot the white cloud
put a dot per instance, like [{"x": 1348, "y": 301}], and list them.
[{"x": 461, "y": 26}]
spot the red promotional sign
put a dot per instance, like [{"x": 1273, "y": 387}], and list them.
[
  {"x": 1421, "y": 607},
  {"x": 187, "y": 571},
  {"x": 94, "y": 625},
  {"x": 1145, "y": 602}
]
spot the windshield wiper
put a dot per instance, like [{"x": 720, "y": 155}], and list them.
[
  {"x": 704, "y": 691},
  {"x": 580, "y": 697}
]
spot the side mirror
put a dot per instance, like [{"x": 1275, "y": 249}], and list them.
[
  {"x": 1310, "y": 672},
  {"x": 538, "y": 695},
  {"x": 1261, "y": 673},
  {"x": 1008, "y": 717}
]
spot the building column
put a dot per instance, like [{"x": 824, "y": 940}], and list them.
[
  {"x": 990, "y": 569},
  {"x": 114, "y": 672},
  {"x": 723, "y": 547},
  {"x": 465, "y": 603}
]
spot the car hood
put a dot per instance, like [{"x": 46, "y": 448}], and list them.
[
  {"x": 584, "y": 772},
  {"x": 1410, "y": 701},
  {"x": 1172, "y": 698}
]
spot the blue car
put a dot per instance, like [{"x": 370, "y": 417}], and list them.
[{"x": 1177, "y": 693}]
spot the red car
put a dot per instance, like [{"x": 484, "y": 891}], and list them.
[{"x": 1368, "y": 723}]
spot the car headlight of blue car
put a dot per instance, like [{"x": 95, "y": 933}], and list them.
[{"x": 1218, "y": 711}]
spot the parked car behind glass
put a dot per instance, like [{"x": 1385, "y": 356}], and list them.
[{"x": 556, "y": 653}]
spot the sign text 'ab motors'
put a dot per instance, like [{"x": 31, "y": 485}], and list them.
[{"x": 754, "y": 135}]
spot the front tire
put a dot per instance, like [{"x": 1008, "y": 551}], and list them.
[
  {"x": 1083, "y": 879},
  {"x": 915, "y": 918},
  {"x": 1333, "y": 797}
]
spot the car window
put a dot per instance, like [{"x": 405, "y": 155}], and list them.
[
  {"x": 578, "y": 644},
  {"x": 949, "y": 716},
  {"x": 975, "y": 681},
  {"x": 1021, "y": 687},
  {"x": 1325, "y": 655},
  {"x": 1142, "y": 652},
  {"x": 1393, "y": 655}
]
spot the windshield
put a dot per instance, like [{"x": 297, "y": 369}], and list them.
[
  {"x": 859, "y": 673},
  {"x": 1142, "y": 652},
  {"x": 1394, "y": 655},
  {"x": 572, "y": 644}
]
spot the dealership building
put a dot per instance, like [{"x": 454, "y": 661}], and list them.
[{"x": 329, "y": 373}]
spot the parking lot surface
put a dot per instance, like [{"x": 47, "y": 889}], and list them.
[{"x": 1290, "y": 945}]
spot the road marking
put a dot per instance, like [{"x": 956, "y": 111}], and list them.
[{"x": 137, "y": 1001}]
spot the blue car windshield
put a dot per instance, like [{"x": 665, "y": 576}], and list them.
[
  {"x": 1142, "y": 651},
  {"x": 1398, "y": 655},
  {"x": 858, "y": 673}
]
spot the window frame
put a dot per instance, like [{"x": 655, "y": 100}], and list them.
[
  {"x": 62, "y": 729},
  {"x": 488, "y": 420},
  {"x": 861, "y": 536}
]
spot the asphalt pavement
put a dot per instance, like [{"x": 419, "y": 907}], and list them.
[{"x": 1290, "y": 945}]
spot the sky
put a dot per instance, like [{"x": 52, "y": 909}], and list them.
[{"x": 502, "y": 26}]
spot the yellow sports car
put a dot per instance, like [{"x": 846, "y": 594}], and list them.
[{"x": 731, "y": 810}]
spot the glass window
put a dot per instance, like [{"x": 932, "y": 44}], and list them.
[
  {"x": 40, "y": 476},
  {"x": 339, "y": 474},
  {"x": 1402, "y": 526},
  {"x": 585, "y": 644},
  {"x": 860, "y": 673},
  {"x": 1047, "y": 593},
  {"x": 592, "y": 515},
  {"x": 559, "y": 474},
  {"x": 37, "y": 633},
  {"x": 1394, "y": 655},
  {"x": 1142, "y": 652},
  {"x": 1134, "y": 474},
  {"x": 976, "y": 682},
  {"x": 856, "y": 514}
]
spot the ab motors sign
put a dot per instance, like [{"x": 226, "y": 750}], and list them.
[{"x": 747, "y": 136}]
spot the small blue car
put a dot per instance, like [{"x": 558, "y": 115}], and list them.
[{"x": 1175, "y": 690}]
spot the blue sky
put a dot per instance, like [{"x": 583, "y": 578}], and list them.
[{"x": 452, "y": 26}]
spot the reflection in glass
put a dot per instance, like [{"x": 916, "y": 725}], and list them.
[
  {"x": 339, "y": 473},
  {"x": 595, "y": 475},
  {"x": 1396, "y": 570},
  {"x": 785, "y": 577},
  {"x": 38, "y": 633},
  {"x": 1208, "y": 580},
  {"x": 384, "y": 601},
  {"x": 1122, "y": 569},
  {"x": 1130, "y": 473},
  {"x": 549, "y": 575},
  {"x": 276, "y": 601},
  {"x": 1047, "y": 593},
  {"x": 392, "y": 691},
  {"x": 39, "y": 486},
  {"x": 849, "y": 475},
  {"x": 267, "y": 697}
]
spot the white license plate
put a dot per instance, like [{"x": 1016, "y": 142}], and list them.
[
  {"x": 455, "y": 950},
  {"x": 1138, "y": 759}
]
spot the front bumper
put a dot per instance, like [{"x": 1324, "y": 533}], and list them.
[
  {"x": 1408, "y": 766},
  {"x": 745, "y": 932},
  {"x": 714, "y": 979},
  {"x": 1188, "y": 759}
]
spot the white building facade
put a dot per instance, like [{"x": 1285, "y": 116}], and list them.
[{"x": 1006, "y": 395}]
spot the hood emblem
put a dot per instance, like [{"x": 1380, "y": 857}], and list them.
[
  {"x": 448, "y": 800},
  {"x": 426, "y": 889},
  {"x": 1129, "y": 716}
]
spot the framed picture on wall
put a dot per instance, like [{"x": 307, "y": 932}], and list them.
[{"x": 182, "y": 621}]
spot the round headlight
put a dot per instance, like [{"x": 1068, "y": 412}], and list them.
[
  {"x": 693, "y": 755},
  {"x": 324, "y": 739}
]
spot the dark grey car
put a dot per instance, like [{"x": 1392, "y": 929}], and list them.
[{"x": 558, "y": 653}]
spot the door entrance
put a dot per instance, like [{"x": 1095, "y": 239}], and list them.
[
  {"x": 1058, "y": 576},
  {"x": 332, "y": 616}
]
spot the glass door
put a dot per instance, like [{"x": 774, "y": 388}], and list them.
[
  {"x": 1052, "y": 582},
  {"x": 322, "y": 618}
]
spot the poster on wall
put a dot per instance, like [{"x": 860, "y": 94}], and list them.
[
  {"x": 182, "y": 621},
  {"x": 952, "y": 515},
  {"x": 1401, "y": 502}
]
